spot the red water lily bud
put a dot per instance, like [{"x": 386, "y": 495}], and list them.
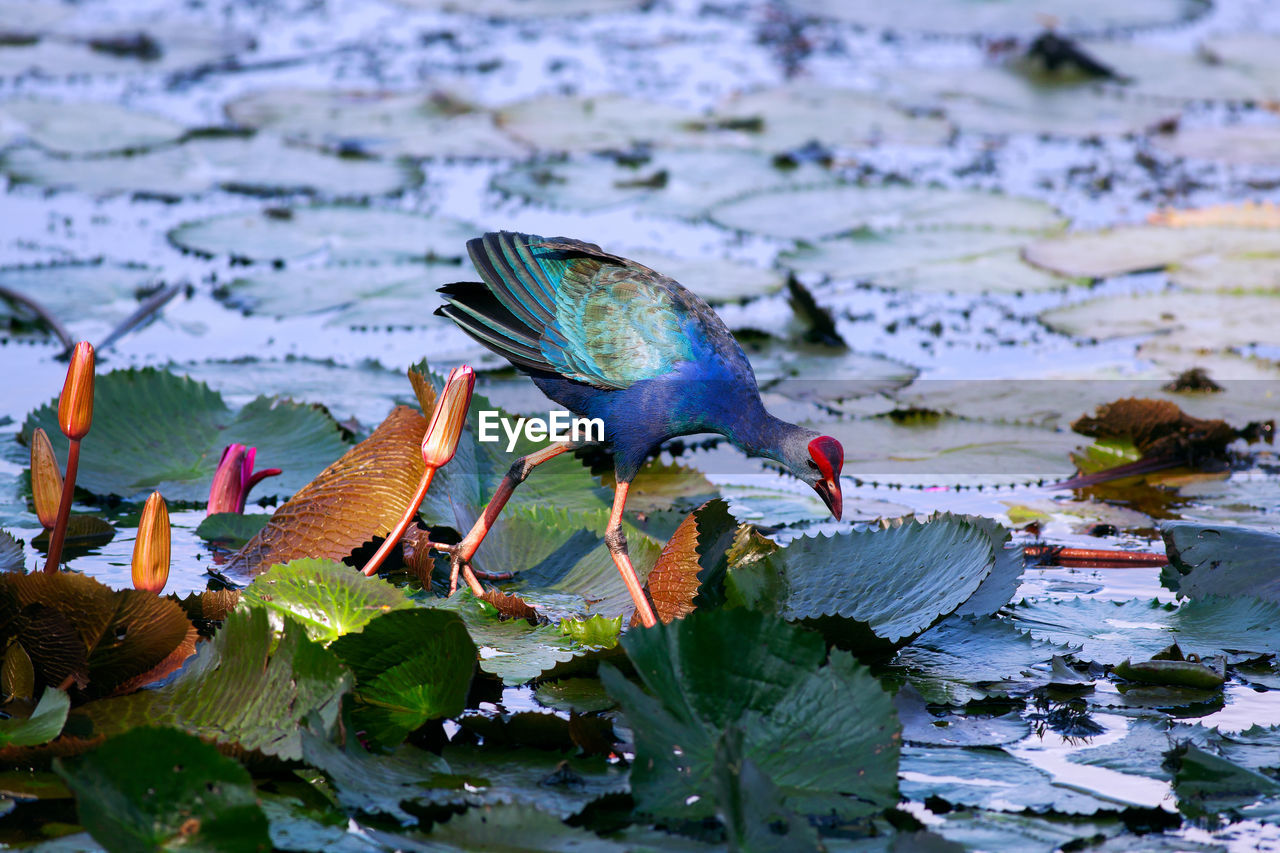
[
  {"x": 75, "y": 406},
  {"x": 234, "y": 478},
  {"x": 151, "y": 548},
  {"x": 450, "y": 414},
  {"x": 46, "y": 479}
]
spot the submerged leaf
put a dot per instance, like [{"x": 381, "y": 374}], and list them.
[{"x": 152, "y": 789}]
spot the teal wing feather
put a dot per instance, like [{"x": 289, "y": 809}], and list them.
[{"x": 567, "y": 307}]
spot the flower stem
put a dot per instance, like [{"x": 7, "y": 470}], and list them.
[
  {"x": 64, "y": 508},
  {"x": 393, "y": 538}
]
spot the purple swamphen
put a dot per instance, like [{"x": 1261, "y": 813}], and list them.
[{"x": 608, "y": 338}]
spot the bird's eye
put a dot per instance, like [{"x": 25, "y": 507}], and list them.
[{"x": 813, "y": 465}]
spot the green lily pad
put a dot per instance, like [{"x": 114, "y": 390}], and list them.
[
  {"x": 810, "y": 213},
  {"x": 12, "y": 555},
  {"x": 1236, "y": 274},
  {"x": 89, "y": 127},
  {"x": 1029, "y": 833},
  {"x": 1229, "y": 67},
  {"x": 804, "y": 371},
  {"x": 925, "y": 259},
  {"x": 520, "y": 9},
  {"x": 598, "y": 123},
  {"x": 577, "y": 695},
  {"x": 716, "y": 280},
  {"x": 1209, "y": 785},
  {"x": 410, "y": 667},
  {"x": 991, "y": 19},
  {"x": 1002, "y": 100},
  {"x": 44, "y": 724},
  {"x": 155, "y": 788},
  {"x": 826, "y": 737},
  {"x": 103, "y": 292},
  {"x": 1133, "y": 248},
  {"x": 800, "y": 112},
  {"x": 545, "y": 779},
  {"x": 1139, "y": 753},
  {"x": 259, "y": 165},
  {"x": 295, "y": 826},
  {"x": 998, "y": 587},
  {"x": 1208, "y": 320},
  {"x": 923, "y": 728},
  {"x": 400, "y": 295},
  {"x": 991, "y": 779},
  {"x": 950, "y": 662},
  {"x": 336, "y": 234},
  {"x": 884, "y": 586},
  {"x": 386, "y": 124},
  {"x": 68, "y": 51},
  {"x": 273, "y": 682},
  {"x": 1246, "y": 498},
  {"x": 512, "y": 649},
  {"x": 231, "y": 529},
  {"x": 1110, "y": 631},
  {"x": 683, "y": 182},
  {"x": 493, "y": 827},
  {"x": 372, "y": 783},
  {"x": 935, "y": 451},
  {"x": 1219, "y": 560},
  {"x": 1172, "y": 673},
  {"x": 156, "y": 431},
  {"x": 329, "y": 599},
  {"x": 1240, "y": 144}
]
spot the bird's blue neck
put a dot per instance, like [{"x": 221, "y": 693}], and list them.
[{"x": 759, "y": 433}]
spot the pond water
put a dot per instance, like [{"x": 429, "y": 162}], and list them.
[{"x": 947, "y": 179}]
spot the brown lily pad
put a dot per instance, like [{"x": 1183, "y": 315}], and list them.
[
  {"x": 691, "y": 556},
  {"x": 360, "y": 496},
  {"x": 1158, "y": 428}
]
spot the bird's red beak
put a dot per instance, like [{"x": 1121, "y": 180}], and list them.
[{"x": 828, "y": 455}]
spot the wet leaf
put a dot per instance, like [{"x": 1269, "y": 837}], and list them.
[
  {"x": 597, "y": 123},
  {"x": 410, "y": 667},
  {"x": 494, "y": 827},
  {"x": 347, "y": 490},
  {"x": 326, "y": 597},
  {"x": 882, "y": 586},
  {"x": 260, "y": 165},
  {"x": 43, "y": 725},
  {"x": 104, "y": 293},
  {"x": 992, "y": 779},
  {"x": 998, "y": 588},
  {"x": 1139, "y": 753},
  {"x": 1188, "y": 319},
  {"x": 1176, "y": 673},
  {"x": 12, "y": 556},
  {"x": 694, "y": 555},
  {"x": 385, "y": 124},
  {"x": 924, "y": 728},
  {"x": 335, "y": 234},
  {"x": 157, "y": 431},
  {"x": 231, "y": 529},
  {"x": 825, "y": 737},
  {"x": 247, "y": 689},
  {"x": 1240, "y": 144},
  {"x": 89, "y": 127},
  {"x": 127, "y": 638},
  {"x": 1220, "y": 560},
  {"x": 1208, "y": 785},
  {"x": 1111, "y": 631},
  {"x": 1028, "y": 833},
  {"x": 160, "y": 789},
  {"x": 717, "y": 280},
  {"x": 579, "y": 695},
  {"x": 372, "y": 783},
  {"x": 175, "y": 44},
  {"x": 810, "y": 213},
  {"x": 1133, "y": 248}
]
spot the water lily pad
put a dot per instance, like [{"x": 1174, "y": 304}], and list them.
[
  {"x": 1001, "y": 100},
  {"x": 923, "y": 728},
  {"x": 1191, "y": 76},
  {"x": 1220, "y": 560},
  {"x": 810, "y": 213},
  {"x": 401, "y": 295},
  {"x": 1184, "y": 319},
  {"x": 329, "y": 599},
  {"x": 577, "y": 695},
  {"x": 714, "y": 279},
  {"x": 1028, "y": 833},
  {"x": 803, "y": 371},
  {"x": 681, "y": 182},
  {"x": 335, "y": 234},
  {"x": 369, "y": 782},
  {"x": 991, "y": 779},
  {"x": 103, "y": 292},
  {"x": 259, "y": 165},
  {"x": 519, "y": 9},
  {"x": 930, "y": 259},
  {"x": 934, "y": 451},
  {"x": 163, "y": 432},
  {"x": 89, "y": 127},
  {"x": 386, "y": 124},
  {"x": 231, "y": 529},
  {"x": 43, "y": 725},
  {"x": 1110, "y": 631},
  {"x": 79, "y": 49},
  {"x": 1242, "y": 144},
  {"x": 410, "y": 667},
  {"x": 493, "y": 827},
  {"x": 801, "y": 112},
  {"x": 1209, "y": 785},
  {"x": 1132, "y": 248},
  {"x": 836, "y": 754},
  {"x": 151, "y": 788},
  {"x": 598, "y": 123},
  {"x": 1139, "y": 753},
  {"x": 991, "y": 19},
  {"x": 274, "y": 682},
  {"x": 1240, "y": 273},
  {"x": 950, "y": 662},
  {"x": 360, "y": 496}
]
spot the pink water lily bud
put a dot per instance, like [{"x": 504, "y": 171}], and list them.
[
  {"x": 151, "y": 548},
  {"x": 234, "y": 478},
  {"x": 450, "y": 414}
]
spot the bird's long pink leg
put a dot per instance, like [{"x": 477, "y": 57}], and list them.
[
  {"x": 617, "y": 542},
  {"x": 466, "y": 549}
]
